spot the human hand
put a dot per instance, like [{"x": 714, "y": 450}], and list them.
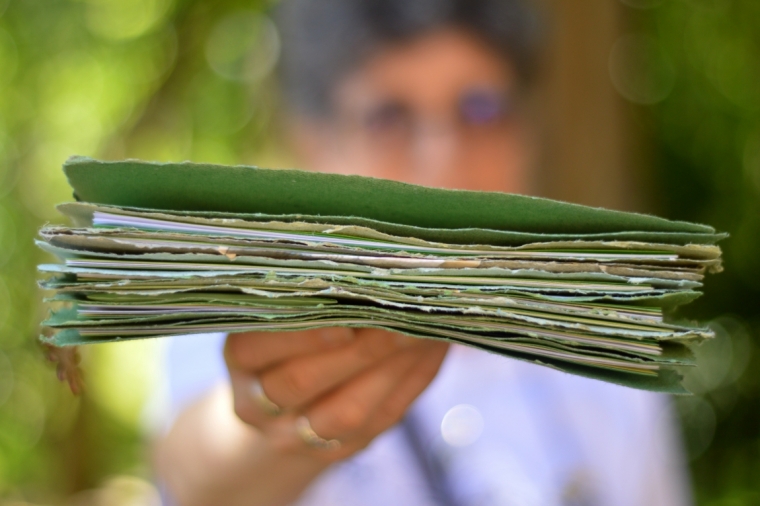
[{"x": 345, "y": 385}]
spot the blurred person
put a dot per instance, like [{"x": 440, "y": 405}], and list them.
[{"x": 428, "y": 92}]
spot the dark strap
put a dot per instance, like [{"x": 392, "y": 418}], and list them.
[{"x": 431, "y": 466}]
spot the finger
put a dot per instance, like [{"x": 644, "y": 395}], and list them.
[
  {"x": 243, "y": 381},
  {"x": 281, "y": 432},
  {"x": 297, "y": 382},
  {"x": 346, "y": 411},
  {"x": 394, "y": 407},
  {"x": 254, "y": 351},
  {"x": 244, "y": 402},
  {"x": 250, "y": 411}
]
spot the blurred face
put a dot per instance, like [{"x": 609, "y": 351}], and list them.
[{"x": 439, "y": 111}]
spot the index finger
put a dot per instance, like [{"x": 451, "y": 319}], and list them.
[{"x": 254, "y": 351}]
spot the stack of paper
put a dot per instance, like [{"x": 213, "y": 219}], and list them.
[{"x": 173, "y": 249}]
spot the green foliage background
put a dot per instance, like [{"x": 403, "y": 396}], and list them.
[
  {"x": 188, "y": 79},
  {"x": 705, "y": 139}
]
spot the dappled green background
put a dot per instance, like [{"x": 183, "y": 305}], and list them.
[
  {"x": 705, "y": 141},
  {"x": 186, "y": 79}
]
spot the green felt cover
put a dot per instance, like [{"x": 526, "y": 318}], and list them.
[{"x": 240, "y": 189}]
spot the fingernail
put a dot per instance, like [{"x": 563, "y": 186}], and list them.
[{"x": 257, "y": 392}]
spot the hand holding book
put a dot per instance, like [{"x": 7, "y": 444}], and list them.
[{"x": 345, "y": 385}]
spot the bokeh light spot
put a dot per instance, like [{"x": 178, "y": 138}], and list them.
[
  {"x": 698, "y": 422},
  {"x": 243, "y": 46},
  {"x": 734, "y": 69},
  {"x": 462, "y": 425},
  {"x": 715, "y": 358},
  {"x": 121, "y": 20},
  {"x": 638, "y": 71},
  {"x": 119, "y": 375}
]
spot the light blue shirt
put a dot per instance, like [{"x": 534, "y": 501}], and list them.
[{"x": 495, "y": 431}]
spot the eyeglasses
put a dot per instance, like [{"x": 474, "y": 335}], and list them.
[{"x": 477, "y": 109}]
